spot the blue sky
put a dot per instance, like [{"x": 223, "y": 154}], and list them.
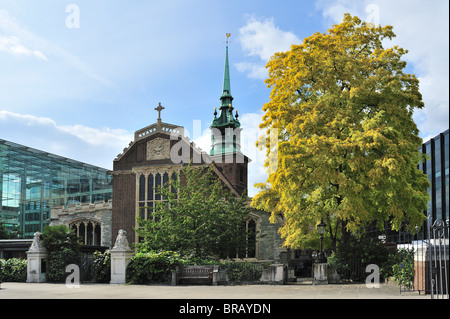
[{"x": 81, "y": 90}]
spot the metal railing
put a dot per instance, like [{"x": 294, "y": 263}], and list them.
[
  {"x": 430, "y": 251},
  {"x": 438, "y": 248}
]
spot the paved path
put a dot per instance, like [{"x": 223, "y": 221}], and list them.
[{"x": 10, "y": 290}]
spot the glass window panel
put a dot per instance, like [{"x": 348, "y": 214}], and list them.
[
  {"x": 174, "y": 179},
  {"x": 142, "y": 188},
  {"x": 150, "y": 189},
  {"x": 32, "y": 180},
  {"x": 157, "y": 185},
  {"x": 150, "y": 209},
  {"x": 142, "y": 210}
]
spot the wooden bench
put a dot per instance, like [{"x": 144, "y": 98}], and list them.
[{"x": 195, "y": 274}]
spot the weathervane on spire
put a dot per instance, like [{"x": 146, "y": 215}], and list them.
[{"x": 228, "y": 35}]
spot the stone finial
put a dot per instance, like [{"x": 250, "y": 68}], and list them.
[{"x": 121, "y": 241}]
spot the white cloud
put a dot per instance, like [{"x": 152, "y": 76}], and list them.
[
  {"x": 98, "y": 137},
  {"x": 261, "y": 39},
  {"x": 13, "y": 45},
  {"x": 253, "y": 70},
  {"x": 90, "y": 145},
  {"x": 15, "y": 30},
  {"x": 264, "y": 38}
]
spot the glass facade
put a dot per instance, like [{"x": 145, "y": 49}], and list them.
[
  {"x": 32, "y": 181},
  {"x": 437, "y": 169}
]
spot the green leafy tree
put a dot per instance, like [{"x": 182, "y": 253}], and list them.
[
  {"x": 58, "y": 237},
  {"x": 102, "y": 266},
  {"x": 63, "y": 248},
  {"x": 348, "y": 148},
  {"x": 6, "y": 234},
  {"x": 198, "y": 216}
]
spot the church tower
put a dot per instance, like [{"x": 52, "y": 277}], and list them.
[{"x": 226, "y": 137}]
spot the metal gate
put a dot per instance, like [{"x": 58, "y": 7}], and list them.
[
  {"x": 426, "y": 259},
  {"x": 438, "y": 252}
]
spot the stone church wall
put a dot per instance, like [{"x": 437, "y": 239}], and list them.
[
  {"x": 99, "y": 212},
  {"x": 269, "y": 241}
]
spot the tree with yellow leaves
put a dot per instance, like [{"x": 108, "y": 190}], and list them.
[{"x": 348, "y": 148}]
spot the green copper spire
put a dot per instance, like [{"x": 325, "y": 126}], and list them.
[
  {"x": 226, "y": 119},
  {"x": 226, "y": 95}
]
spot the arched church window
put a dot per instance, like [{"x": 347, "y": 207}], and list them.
[
  {"x": 148, "y": 185},
  {"x": 251, "y": 238},
  {"x": 249, "y": 249},
  {"x": 88, "y": 231}
]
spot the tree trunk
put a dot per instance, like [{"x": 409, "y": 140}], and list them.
[{"x": 345, "y": 235}]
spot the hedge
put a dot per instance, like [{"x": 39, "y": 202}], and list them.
[
  {"x": 153, "y": 267},
  {"x": 13, "y": 270},
  {"x": 102, "y": 266}
]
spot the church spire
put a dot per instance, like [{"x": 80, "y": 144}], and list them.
[
  {"x": 226, "y": 97},
  {"x": 225, "y": 120}
]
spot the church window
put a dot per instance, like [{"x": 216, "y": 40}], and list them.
[
  {"x": 165, "y": 178},
  {"x": 142, "y": 188},
  {"x": 89, "y": 232},
  {"x": 249, "y": 251},
  {"x": 142, "y": 210},
  {"x": 174, "y": 179},
  {"x": 157, "y": 185},
  {"x": 251, "y": 239},
  {"x": 148, "y": 191}
]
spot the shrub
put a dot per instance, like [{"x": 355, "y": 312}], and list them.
[
  {"x": 243, "y": 271},
  {"x": 153, "y": 267},
  {"x": 13, "y": 269},
  {"x": 102, "y": 266},
  {"x": 400, "y": 266}
]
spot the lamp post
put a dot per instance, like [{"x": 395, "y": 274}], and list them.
[{"x": 321, "y": 231}]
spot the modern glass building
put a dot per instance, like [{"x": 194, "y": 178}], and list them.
[
  {"x": 32, "y": 181},
  {"x": 437, "y": 169}
]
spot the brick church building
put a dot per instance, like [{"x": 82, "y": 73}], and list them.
[{"x": 160, "y": 150}]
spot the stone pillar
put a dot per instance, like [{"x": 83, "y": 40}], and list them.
[
  {"x": 121, "y": 255},
  {"x": 36, "y": 258},
  {"x": 320, "y": 274},
  {"x": 215, "y": 275},
  {"x": 276, "y": 273},
  {"x": 174, "y": 276}
]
